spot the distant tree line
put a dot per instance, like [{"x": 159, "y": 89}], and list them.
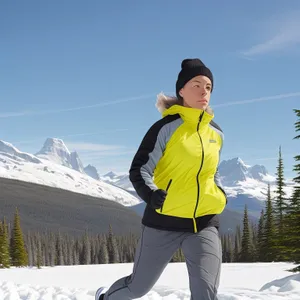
[
  {"x": 276, "y": 237},
  {"x": 51, "y": 249}
]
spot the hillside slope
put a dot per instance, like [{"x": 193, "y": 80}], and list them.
[
  {"x": 46, "y": 208},
  {"x": 59, "y": 168}
]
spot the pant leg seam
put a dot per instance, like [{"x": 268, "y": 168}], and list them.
[
  {"x": 123, "y": 287},
  {"x": 219, "y": 269},
  {"x": 212, "y": 284},
  {"x": 138, "y": 260},
  {"x": 215, "y": 284}
]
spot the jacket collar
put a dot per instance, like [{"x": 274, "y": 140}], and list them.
[{"x": 167, "y": 105}]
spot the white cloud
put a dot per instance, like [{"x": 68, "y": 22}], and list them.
[
  {"x": 14, "y": 114},
  {"x": 56, "y": 111},
  {"x": 89, "y": 151},
  {"x": 284, "y": 33},
  {"x": 261, "y": 99},
  {"x": 92, "y": 147},
  {"x": 113, "y": 102}
]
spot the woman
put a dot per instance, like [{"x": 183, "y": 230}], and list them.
[{"x": 175, "y": 171}]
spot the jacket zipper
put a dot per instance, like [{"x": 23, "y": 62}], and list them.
[
  {"x": 197, "y": 177},
  {"x": 169, "y": 183}
]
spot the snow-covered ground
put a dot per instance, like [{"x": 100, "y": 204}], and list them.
[{"x": 239, "y": 281}]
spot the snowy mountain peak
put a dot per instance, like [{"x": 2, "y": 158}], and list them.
[
  {"x": 235, "y": 170},
  {"x": 232, "y": 171},
  {"x": 54, "y": 145},
  {"x": 76, "y": 162},
  {"x": 11, "y": 152},
  {"x": 92, "y": 172},
  {"x": 56, "y": 151},
  {"x": 258, "y": 172},
  {"x": 238, "y": 161},
  {"x": 7, "y": 147},
  {"x": 110, "y": 175}
]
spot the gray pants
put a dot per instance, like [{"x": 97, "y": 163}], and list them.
[{"x": 203, "y": 255}]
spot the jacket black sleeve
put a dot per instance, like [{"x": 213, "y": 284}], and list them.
[{"x": 147, "y": 156}]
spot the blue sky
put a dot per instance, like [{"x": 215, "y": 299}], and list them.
[{"x": 89, "y": 73}]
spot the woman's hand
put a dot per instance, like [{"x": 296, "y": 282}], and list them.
[{"x": 157, "y": 198}]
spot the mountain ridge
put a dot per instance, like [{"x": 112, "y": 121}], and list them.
[
  {"x": 65, "y": 170},
  {"x": 236, "y": 177},
  {"x": 52, "y": 167}
]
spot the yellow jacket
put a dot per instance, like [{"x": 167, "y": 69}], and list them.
[{"x": 180, "y": 153}]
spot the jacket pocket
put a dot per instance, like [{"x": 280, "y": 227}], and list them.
[{"x": 167, "y": 188}]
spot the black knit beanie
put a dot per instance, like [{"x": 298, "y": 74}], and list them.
[{"x": 190, "y": 68}]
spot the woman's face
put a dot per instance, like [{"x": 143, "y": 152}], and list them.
[{"x": 196, "y": 92}]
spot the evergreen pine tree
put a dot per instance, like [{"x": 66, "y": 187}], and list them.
[
  {"x": 229, "y": 248},
  {"x": 4, "y": 245},
  {"x": 121, "y": 244},
  {"x": 224, "y": 248},
  {"x": 246, "y": 243},
  {"x": 70, "y": 257},
  {"x": 280, "y": 198},
  {"x": 76, "y": 255},
  {"x": 65, "y": 249},
  {"x": 59, "y": 250},
  {"x": 293, "y": 237},
  {"x": 269, "y": 230},
  {"x": 237, "y": 244},
  {"x": 86, "y": 249},
  {"x": 93, "y": 250},
  {"x": 132, "y": 242},
  {"x": 38, "y": 243},
  {"x": 236, "y": 250},
  {"x": 103, "y": 256},
  {"x": 279, "y": 209},
  {"x": 1, "y": 243},
  {"x": 34, "y": 249},
  {"x": 260, "y": 238},
  {"x": 113, "y": 251},
  {"x": 294, "y": 226},
  {"x": 253, "y": 242},
  {"x": 29, "y": 248},
  {"x": 19, "y": 255},
  {"x": 52, "y": 249},
  {"x": 45, "y": 247}
]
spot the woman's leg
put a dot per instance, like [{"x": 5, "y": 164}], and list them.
[
  {"x": 203, "y": 254},
  {"x": 154, "y": 251}
]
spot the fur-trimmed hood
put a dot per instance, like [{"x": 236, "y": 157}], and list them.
[{"x": 164, "y": 102}]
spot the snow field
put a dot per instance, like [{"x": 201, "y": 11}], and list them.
[{"x": 239, "y": 281}]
